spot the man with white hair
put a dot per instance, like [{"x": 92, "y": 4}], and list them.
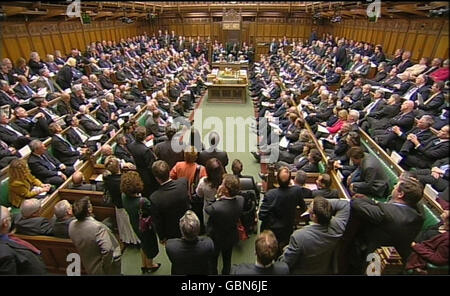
[
  {"x": 78, "y": 98},
  {"x": 29, "y": 221},
  {"x": 91, "y": 125},
  {"x": 17, "y": 257},
  {"x": 64, "y": 215}
]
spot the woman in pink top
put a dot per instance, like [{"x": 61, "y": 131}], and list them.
[
  {"x": 342, "y": 118},
  {"x": 441, "y": 74}
]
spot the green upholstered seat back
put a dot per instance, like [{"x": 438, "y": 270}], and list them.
[{"x": 4, "y": 192}]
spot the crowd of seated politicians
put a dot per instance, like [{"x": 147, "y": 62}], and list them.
[{"x": 405, "y": 111}]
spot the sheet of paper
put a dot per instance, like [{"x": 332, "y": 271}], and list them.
[
  {"x": 125, "y": 114},
  {"x": 284, "y": 142},
  {"x": 25, "y": 150},
  {"x": 95, "y": 138},
  {"x": 99, "y": 178},
  {"x": 396, "y": 157},
  {"x": 120, "y": 121},
  {"x": 77, "y": 164},
  {"x": 265, "y": 104},
  {"x": 149, "y": 143},
  {"x": 322, "y": 129},
  {"x": 428, "y": 190}
]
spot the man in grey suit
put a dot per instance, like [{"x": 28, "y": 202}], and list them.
[
  {"x": 369, "y": 177},
  {"x": 98, "y": 247},
  {"x": 311, "y": 249}
]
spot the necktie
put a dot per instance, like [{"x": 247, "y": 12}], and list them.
[
  {"x": 82, "y": 134},
  {"x": 13, "y": 130},
  {"x": 93, "y": 119},
  {"x": 430, "y": 98},
  {"x": 52, "y": 166},
  {"x": 24, "y": 244},
  {"x": 12, "y": 97},
  {"x": 67, "y": 142},
  {"x": 29, "y": 90},
  {"x": 410, "y": 95}
]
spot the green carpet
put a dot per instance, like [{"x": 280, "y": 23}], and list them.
[{"x": 212, "y": 115}]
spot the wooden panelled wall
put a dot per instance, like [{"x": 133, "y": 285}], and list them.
[
  {"x": 251, "y": 32},
  {"x": 19, "y": 40},
  {"x": 424, "y": 37}
]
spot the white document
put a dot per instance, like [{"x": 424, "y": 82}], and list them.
[
  {"x": 284, "y": 142},
  {"x": 42, "y": 92},
  {"x": 99, "y": 178},
  {"x": 125, "y": 114},
  {"x": 68, "y": 90},
  {"x": 304, "y": 102},
  {"x": 95, "y": 138},
  {"x": 120, "y": 121},
  {"x": 428, "y": 190},
  {"x": 396, "y": 157},
  {"x": 149, "y": 143},
  {"x": 265, "y": 104},
  {"x": 25, "y": 150},
  {"x": 322, "y": 129},
  {"x": 138, "y": 108},
  {"x": 77, "y": 164},
  {"x": 339, "y": 175}
]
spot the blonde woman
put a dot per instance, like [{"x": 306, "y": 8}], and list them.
[{"x": 22, "y": 184}]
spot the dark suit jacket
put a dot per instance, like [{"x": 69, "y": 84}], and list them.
[
  {"x": 388, "y": 224},
  {"x": 277, "y": 268},
  {"x": 327, "y": 193},
  {"x": 169, "y": 204},
  {"x": 433, "y": 107},
  {"x": 62, "y": 151},
  {"x": 124, "y": 154},
  {"x": 16, "y": 259},
  {"x": 165, "y": 152},
  {"x": 21, "y": 93},
  {"x": 106, "y": 82},
  {"x": 74, "y": 138},
  {"x": 9, "y": 136},
  {"x": 64, "y": 77},
  {"x": 223, "y": 217},
  {"x": 182, "y": 253},
  {"x": 373, "y": 179},
  {"x": 61, "y": 228},
  {"x": 41, "y": 169},
  {"x": 204, "y": 156},
  {"x": 278, "y": 210},
  {"x": 428, "y": 152},
  {"x": 90, "y": 127},
  {"x": 34, "y": 226},
  {"x": 27, "y": 125}
]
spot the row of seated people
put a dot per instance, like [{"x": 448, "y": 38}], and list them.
[
  {"x": 366, "y": 176},
  {"x": 89, "y": 91}
]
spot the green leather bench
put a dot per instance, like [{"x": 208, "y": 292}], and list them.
[
  {"x": 141, "y": 120},
  {"x": 391, "y": 174},
  {"x": 322, "y": 167},
  {"x": 4, "y": 196}
]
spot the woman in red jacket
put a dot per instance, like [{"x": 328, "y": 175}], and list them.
[
  {"x": 342, "y": 118},
  {"x": 434, "y": 250}
]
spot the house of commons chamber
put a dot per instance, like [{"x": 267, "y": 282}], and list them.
[{"x": 224, "y": 138}]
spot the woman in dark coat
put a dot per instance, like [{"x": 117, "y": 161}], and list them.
[
  {"x": 132, "y": 186},
  {"x": 111, "y": 180}
]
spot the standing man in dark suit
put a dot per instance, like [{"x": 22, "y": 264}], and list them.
[
  {"x": 273, "y": 47},
  {"x": 145, "y": 158},
  {"x": 369, "y": 177},
  {"x": 279, "y": 207},
  {"x": 311, "y": 249},
  {"x": 341, "y": 55},
  {"x": 190, "y": 254},
  {"x": 213, "y": 151},
  {"x": 395, "y": 223},
  {"x": 45, "y": 167},
  {"x": 64, "y": 77},
  {"x": 300, "y": 181},
  {"x": 169, "y": 203},
  {"x": 224, "y": 214},
  {"x": 266, "y": 249},
  {"x": 17, "y": 257},
  {"x": 164, "y": 150}
]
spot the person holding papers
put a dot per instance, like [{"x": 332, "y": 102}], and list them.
[{"x": 22, "y": 184}]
